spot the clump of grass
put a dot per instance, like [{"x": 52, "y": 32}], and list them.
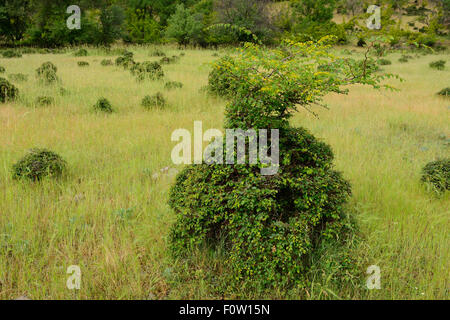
[
  {"x": 11, "y": 54},
  {"x": 80, "y": 53},
  {"x": 28, "y": 51},
  {"x": 44, "y": 101},
  {"x": 2, "y": 69},
  {"x": 437, "y": 174},
  {"x": 106, "y": 62},
  {"x": 125, "y": 60},
  {"x": 444, "y": 92},
  {"x": 19, "y": 77},
  {"x": 156, "y": 100},
  {"x": 46, "y": 73},
  {"x": 147, "y": 70},
  {"x": 83, "y": 63},
  {"x": 158, "y": 53},
  {"x": 438, "y": 65},
  {"x": 39, "y": 163},
  {"x": 173, "y": 85},
  {"x": 384, "y": 62},
  {"x": 103, "y": 105},
  {"x": 8, "y": 91}
]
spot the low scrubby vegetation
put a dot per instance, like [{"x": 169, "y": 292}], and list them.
[
  {"x": 37, "y": 164},
  {"x": 437, "y": 174},
  {"x": 46, "y": 73},
  {"x": 103, "y": 105},
  {"x": 157, "y": 100},
  {"x": 8, "y": 91},
  {"x": 438, "y": 65}
]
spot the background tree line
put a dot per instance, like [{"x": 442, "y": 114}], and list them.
[{"x": 43, "y": 22}]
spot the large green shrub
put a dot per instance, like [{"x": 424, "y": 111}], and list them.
[
  {"x": 125, "y": 60},
  {"x": 444, "y": 92},
  {"x": 7, "y": 91},
  {"x": 437, "y": 173},
  {"x": 270, "y": 225},
  {"x": 39, "y": 163}
]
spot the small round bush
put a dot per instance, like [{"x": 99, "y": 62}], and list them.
[
  {"x": 11, "y": 54},
  {"x": 444, "y": 92},
  {"x": 7, "y": 91},
  {"x": 103, "y": 105},
  {"x": 2, "y": 69},
  {"x": 106, "y": 62},
  {"x": 173, "y": 85},
  {"x": 125, "y": 60},
  {"x": 44, "y": 101},
  {"x": 39, "y": 163},
  {"x": 46, "y": 73},
  {"x": 158, "y": 53},
  {"x": 403, "y": 59},
  {"x": 384, "y": 62},
  {"x": 147, "y": 70},
  {"x": 157, "y": 100},
  {"x": 80, "y": 53},
  {"x": 438, "y": 65},
  {"x": 83, "y": 63},
  {"x": 19, "y": 77},
  {"x": 437, "y": 173}
]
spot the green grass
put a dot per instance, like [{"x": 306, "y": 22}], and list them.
[{"x": 110, "y": 217}]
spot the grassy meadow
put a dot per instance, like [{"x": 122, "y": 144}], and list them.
[{"x": 109, "y": 216}]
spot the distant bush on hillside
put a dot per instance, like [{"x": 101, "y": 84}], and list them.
[
  {"x": 83, "y": 63},
  {"x": 384, "y": 62},
  {"x": 158, "y": 53},
  {"x": 106, "y": 62},
  {"x": 2, "y": 69}
]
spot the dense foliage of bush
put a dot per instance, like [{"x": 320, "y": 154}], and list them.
[
  {"x": 8, "y": 91},
  {"x": 2, "y": 69},
  {"x": 437, "y": 173},
  {"x": 39, "y": 163},
  {"x": 83, "y": 63},
  {"x": 156, "y": 100},
  {"x": 147, "y": 70},
  {"x": 46, "y": 73},
  {"x": 270, "y": 225},
  {"x": 169, "y": 85},
  {"x": 103, "y": 105},
  {"x": 438, "y": 65}
]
